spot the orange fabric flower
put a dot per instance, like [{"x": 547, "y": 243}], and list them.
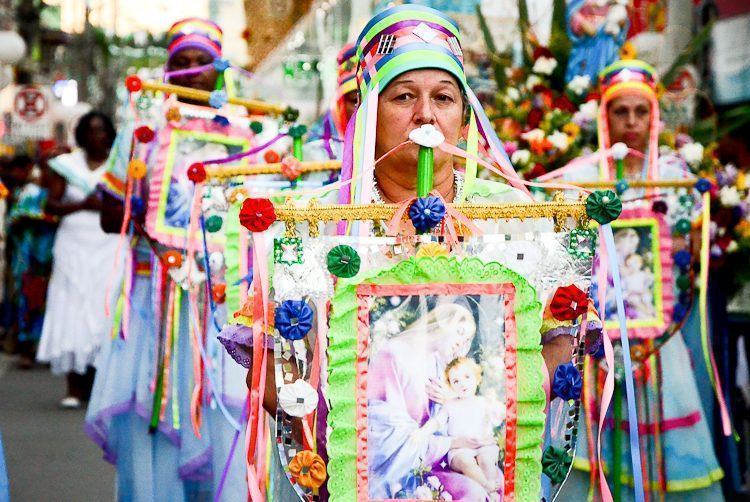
[
  {"x": 308, "y": 469},
  {"x": 172, "y": 258}
]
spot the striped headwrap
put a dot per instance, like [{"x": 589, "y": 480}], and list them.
[
  {"x": 345, "y": 83},
  {"x": 397, "y": 40},
  {"x": 194, "y": 33},
  {"x": 629, "y": 77}
]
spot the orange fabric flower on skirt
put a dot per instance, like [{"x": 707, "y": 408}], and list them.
[{"x": 308, "y": 469}]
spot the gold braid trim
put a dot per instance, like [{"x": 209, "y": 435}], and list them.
[
  {"x": 558, "y": 211},
  {"x": 229, "y": 171}
]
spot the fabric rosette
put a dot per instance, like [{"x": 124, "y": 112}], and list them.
[
  {"x": 294, "y": 319},
  {"x": 603, "y": 206},
  {"x": 568, "y": 303},
  {"x": 196, "y": 173},
  {"x": 426, "y": 213},
  {"x": 555, "y": 464},
  {"x": 298, "y": 399},
  {"x": 308, "y": 469},
  {"x": 567, "y": 383},
  {"x": 257, "y": 214},
  {"x": 343, "y": 261}
]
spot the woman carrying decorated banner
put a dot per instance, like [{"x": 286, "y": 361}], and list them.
[
  {"x": 412, "y": 89},
  {"x": 75, "y": 325},
  {"x": 165, "y": 408},
  {"x": 653, "y": 241}
]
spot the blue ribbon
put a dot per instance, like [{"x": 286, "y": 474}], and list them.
[{"x": 635, "y": 449}]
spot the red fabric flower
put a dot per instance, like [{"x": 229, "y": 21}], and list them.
[
  {"x": 535, "y": 118},
  {"x": 133, "y": 83},
  {"x": 542, "y": 52},
  {"x": 564, "y": 104},
  {"x": 257, "y": 214},
  {"x": 196, "y": 173},
  {"x": 568, "y": 303},
  {"x": 271, "y": 157},
  {"x": 144, "y": 134}
]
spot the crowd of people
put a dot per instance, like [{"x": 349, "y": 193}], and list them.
[{"x": 101, "y": 285}]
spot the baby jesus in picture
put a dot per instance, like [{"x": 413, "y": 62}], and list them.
[{"x": 470, "y": 417}]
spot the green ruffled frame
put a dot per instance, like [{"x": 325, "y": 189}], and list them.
[{"x": 342, "y": 351}]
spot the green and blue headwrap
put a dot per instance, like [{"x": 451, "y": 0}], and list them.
[{"x": 398, "y": 40}]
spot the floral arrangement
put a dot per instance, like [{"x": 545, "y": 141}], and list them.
[{"x": 544, "y": 128}]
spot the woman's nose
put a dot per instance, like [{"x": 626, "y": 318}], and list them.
[{"x": 424, "y": 113}]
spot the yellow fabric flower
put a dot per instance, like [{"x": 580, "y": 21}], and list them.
[
  {"x": 173, "y": 114},
  {"x": 431, "y": 249},
  {"x": 308, "y": 469}
]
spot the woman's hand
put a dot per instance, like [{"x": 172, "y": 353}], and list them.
[{"x": 439, "y": 392}]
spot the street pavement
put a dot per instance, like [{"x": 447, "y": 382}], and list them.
[{"x": 48, "y": 455}]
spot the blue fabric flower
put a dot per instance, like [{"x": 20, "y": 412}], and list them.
[
  {"x": 218, "y": 99},
  {"x": 294, "y": 319},
  {"x": 621, "y": 186},
  {"x": 221, "y": 121},
  {"x": 221, "y": 64},
  {"x": 567, "y": 383},
  {"x": 137, "y": 206},
  {"x": 426, "y": 213},
  {"x": 703, "y": 185},
  {"x": 682, "y": 258}
]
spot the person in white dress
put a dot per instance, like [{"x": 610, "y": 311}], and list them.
[{"x": 75, "y": 323}]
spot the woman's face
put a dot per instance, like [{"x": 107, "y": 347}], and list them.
[
  {"x": 193, "y": 58},
  {"x": 411, "y": 100},
  {"x": 629, "y": 117},
  {"x": 460, "y": 330},
  {"x": 97, "y": 139}
]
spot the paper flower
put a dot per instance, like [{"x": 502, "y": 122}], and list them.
[
  {"x": 703, "y": 185},
  {"x": 682, "y": 258},
  {"x": 144, "y": 134},
  {"x": 271, "y": 157},
  {"x": 217, "y": 99},
  {"x": 298, "y": 399},
  {"x": 133, "y": 83},
  {"x": 214, "y": 223},
  {"x": 520, "y": 157},
  {"x": 619, "y": 151},
  {"x": 290, "y": 114},
  {"x": 257, "y": 214},
  {"x": 560, "y": 141},
  {"x": 221, "y": 65},
  {"x": 567, "y": 382},
  {"x": 427, "y": 135},
  {"x": 290, "y": 167},
  {"x": 579, "y": 84},
  {"x": 587, "y": 112},
  {"x": 220, "y": 120},
  {"x": 308, "y": 469},
  {"x": 294, "y": 319},
  {"x": 568, "y": 303},
  {"x": 219, "y": 292},
  {"x": 729, "y": 196},
  {"x": 197, "y": 172},
  {"x": 173, "y": 114},
  {"x": 692, "y": 153},
  {"x": 603, "y": 206},
  {"x": 556, "y": 464},
  {"x": 621, "y": 186},
  {"x": 343, "y": 261},
  {"x": 659, "y": 206},
  {"x": 137, "y": 169},
  {"x": 172, "y": 258},
  {"x": 544, "y": 66},
  {"x": 426, "y": 213}
]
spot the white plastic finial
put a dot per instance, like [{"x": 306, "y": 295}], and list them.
[{"x": 427, "y": 135}]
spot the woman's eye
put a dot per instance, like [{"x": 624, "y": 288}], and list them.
[
  {"x": 403, "y": 97},
  {"x": 445, "y": 98}
]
